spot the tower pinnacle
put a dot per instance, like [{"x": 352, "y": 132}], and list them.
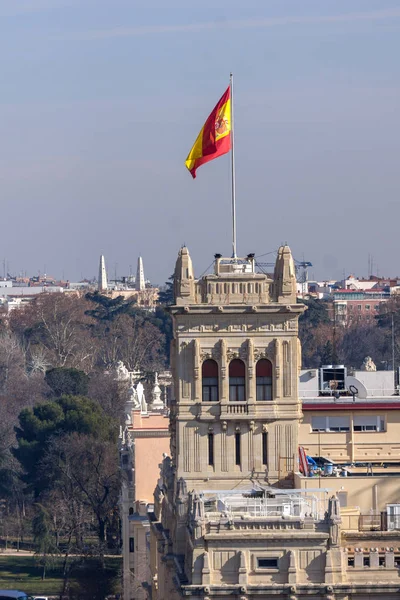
[
  {"x": 140, "y": 282},
  {"x": 102, "y": 281}
]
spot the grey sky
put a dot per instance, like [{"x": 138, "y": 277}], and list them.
[{"x": 102, "y": 99}]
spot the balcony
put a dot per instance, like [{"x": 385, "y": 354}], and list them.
[
  {"x": 371, "y": 522},
  {"x": 211, "y": 411},
  {"x": 234, "y": 409}
]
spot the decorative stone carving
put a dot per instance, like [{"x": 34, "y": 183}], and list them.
[
  {"x": 259, "y": 353},
  {"x": 156, "y": 402},
  {"x": 334, "y": 520},
  {"x": 214, "y": 353}
]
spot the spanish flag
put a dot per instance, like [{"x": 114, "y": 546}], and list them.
[{"x": 214, "y": 138}]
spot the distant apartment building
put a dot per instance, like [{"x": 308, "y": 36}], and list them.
[
  {"x": 352, "y": 299},
  {"x": 352, "y": 305},
  {"x": 350, "y": 418}
]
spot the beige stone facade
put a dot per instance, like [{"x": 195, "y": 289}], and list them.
[
  {"x": 233, "y": 518},
  {"x": 227, "y": 317}
]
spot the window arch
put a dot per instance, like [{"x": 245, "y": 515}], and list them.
[
  {"x": 237, "y": 380},
  {"x": 209, "y": 377},
  {"x": 264, "y": 379}
]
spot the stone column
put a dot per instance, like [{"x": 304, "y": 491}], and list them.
[
  {"x": 224, "y": 379},
  {"x": 242, "y": 572},
  {"x": 352, "y": 444},
  {"x": 224, "y": 457},
  {"x": 197, "y": 371},
  {"x": 374, "y": 558},
  {"x": 277, "y": 387},
  {"x": 251, "y": 446},
  {"x": 206, "y": 571},
  {"x": 251, "y": 376},
  {"x": 292, "y": 570}
]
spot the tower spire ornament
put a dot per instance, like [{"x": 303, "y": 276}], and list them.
[
  {"x": 140, "y": 283},
  {"x": 102, "y": 280}
]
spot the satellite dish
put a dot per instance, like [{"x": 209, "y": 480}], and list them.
[{"x": 353, "y": 381}]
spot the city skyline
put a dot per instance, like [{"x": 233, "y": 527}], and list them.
[{"x": 100, "y": 108}]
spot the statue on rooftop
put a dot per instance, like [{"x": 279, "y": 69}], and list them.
[{"x": 368, "y": 364}]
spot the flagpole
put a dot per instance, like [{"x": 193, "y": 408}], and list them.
[{"x": 233, "y": 183}]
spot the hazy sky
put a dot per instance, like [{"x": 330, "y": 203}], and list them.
[{"x": 101, "y": 101}]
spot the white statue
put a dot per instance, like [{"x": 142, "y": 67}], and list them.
[
  {"x": 368, "y": 364},
  {"x": 122, "y": 371},
  {"x": 133, "y": 399},
  {"x": 142, "y": 404}
]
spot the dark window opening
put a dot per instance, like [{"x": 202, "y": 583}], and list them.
[
  {"x": 209, "y": 374},
  {"x": 381, "y": 561},
  {"x": 211, "y": 449},
  {"x": 264, "y": 380},
  {"x": 366, "y": 561},
  {"x": 237, "y": 449},
  {"x": 267, "y": 563},
  {"x": 131, "y": 544},
  {"x": 264, "y": 448},
  {"x": 350, "y": 561},
  {"x": 237, "y": 381},
  {"x": 131, "y": 510}
]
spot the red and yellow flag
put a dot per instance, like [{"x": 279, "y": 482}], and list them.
[{"x": 214, "y": 138}]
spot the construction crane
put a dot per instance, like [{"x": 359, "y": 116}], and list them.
[{"x": 301, "y": 267}]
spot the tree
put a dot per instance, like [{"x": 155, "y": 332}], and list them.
[
  {"x": 92, "y": 467},
  {"x": 46, "y": 548},
  {"x": 64, "y": 381},
  {"x": 315, "y": 329},
  {"x": 58, "y": 324},
  {"x": 12, "y": 361},
  {"x": 135, "y": 341},
  {"x": 327, "y": 354},
  {"x": 363, "y": 339},
  {"x": 84, "y": 472},
  {"x": 316, "y": 313},
  {"x": 39, "y": 425},
  {"x": 110, "y": 393},
  {"x": 106, "y": 308},
  {"x": 166, "y": 294}
]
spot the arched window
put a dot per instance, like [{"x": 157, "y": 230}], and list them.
[
  {"x": 237, "y": 380},
  {"x": 209, "y": 375},
  {"x": 264, "y": 379}
]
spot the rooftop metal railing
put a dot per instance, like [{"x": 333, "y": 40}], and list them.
[{"x": 282, "y": 506}]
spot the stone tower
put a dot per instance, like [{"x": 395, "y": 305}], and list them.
[
  {"x": 140, "y": 284},
  {"x": 102, "y": 280},
  {"x": 235, "y": 360}
]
